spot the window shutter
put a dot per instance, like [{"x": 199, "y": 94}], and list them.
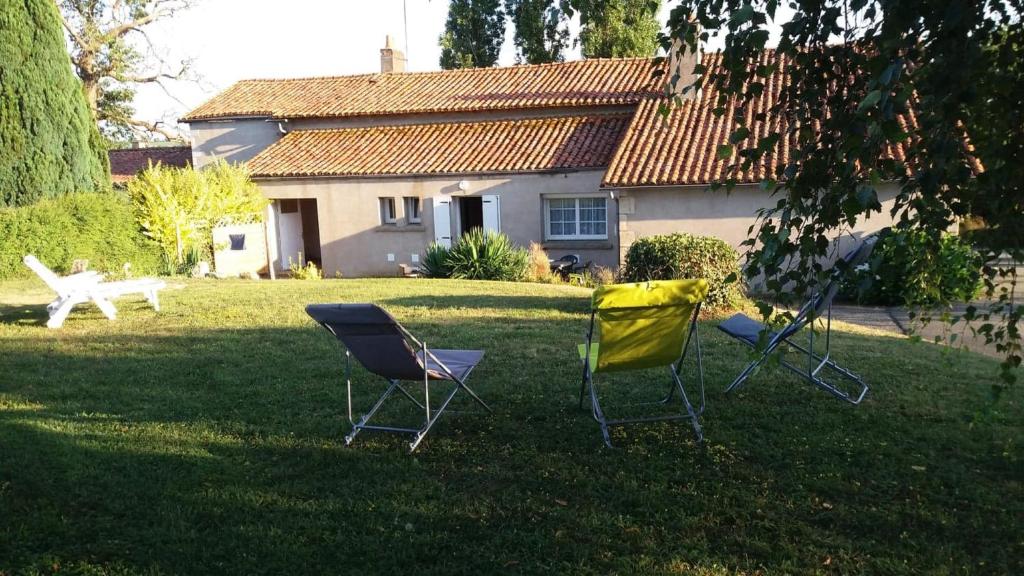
[
  {"x": 492, "y": 212},
  {"x": 442, "y": 221}
]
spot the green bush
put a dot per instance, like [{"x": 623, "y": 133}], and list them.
[
  {"x": 478, "y": 255},
  {"x": 435, "y": 262},
  {"x": 680, "y": 256},
  {"x": 179, "y": 207},
  {"x": 905, "y": 269},
  {"x": 98, "y": 227}
]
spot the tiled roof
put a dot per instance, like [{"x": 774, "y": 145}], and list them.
[
  {"x": 127, "y": 162},
  {"x": 682, "y": 149},
  {"x": 538, "y": 144},
  {"x": 612, "y": 81}
]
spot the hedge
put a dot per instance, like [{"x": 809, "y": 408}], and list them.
[
  {"x": 680, "y": 256},
  {"x": 98, "y": 227}
]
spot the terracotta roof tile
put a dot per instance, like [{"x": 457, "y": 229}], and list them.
[
  {"x": 610, "y": 81},
  {"x": 127, "y": 162},
  {"x": 538, "y": 144},
  {"x": 682, "y": 148}
]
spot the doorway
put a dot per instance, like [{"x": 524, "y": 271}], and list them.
[
  {"x": 298, "y": 232},
  {"x": 310, "y": 231},
  {"x": 471, "y": 213}
]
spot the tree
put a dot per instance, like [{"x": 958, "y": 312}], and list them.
[
  {"x": 473, "y": 34},
  {"x": 179, "y": 207},
  {"x": 866, "y": 77},
  {"x": 616, "y": 28},
  {"x": 49, "y": 145},
  {"x": 103, "y": 35},
  {"x": 541, "y": 30}
]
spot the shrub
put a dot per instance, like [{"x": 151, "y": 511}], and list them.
[
  {"x": 477, "y": 255},
  {"x": 307, "y": 272},
  {"x": 904, "y": 270},
  {"x": 539, "y": 268},
  {"x": 679, "y": 256},
  {"x": 179, "y": 207},
  {"x": 435, "y": 262},
  {"x": 98, "y": 227}
]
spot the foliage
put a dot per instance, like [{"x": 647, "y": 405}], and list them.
[
  {"x": 541, "y": 30},
  {"x": 98, "y": 227},
  {"x": 477, "y": 255},
  {"x": 435, "y": 262},
  {"x": 307, "y": 272},
  {"x": 593, "y": 277},
  {"x": 179, "y": 207},
  {"x": 539, "y": 268},
  {"x": 473, "y": 34},
  {"x": 223, "y": 416},
  {"x": 616, "y": 28},
  {"x": 854, "y": 72},
  {"x": 954, "y": 275},
  {"x": 104, "y": 37},
  {"x": 680, "y": 256},
  {"x": 49, "y": 145}
]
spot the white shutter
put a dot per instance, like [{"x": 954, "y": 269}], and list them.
[
  {"x": 492, "y": 212},
  {"x": 442, "y": 221}
]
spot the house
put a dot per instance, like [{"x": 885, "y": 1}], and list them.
[
  {"x": 364, "y": 171},
  {"x": 125, "y": 163}
]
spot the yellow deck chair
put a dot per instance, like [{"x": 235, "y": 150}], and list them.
[{"x": 644, "y": 325}]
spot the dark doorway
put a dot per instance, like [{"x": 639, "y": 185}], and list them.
[
  {"x": 311, "y": 231},
  {"x": 471, "y": 213}
]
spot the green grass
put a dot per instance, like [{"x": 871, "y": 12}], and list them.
[{"x": 208, "y": 438}]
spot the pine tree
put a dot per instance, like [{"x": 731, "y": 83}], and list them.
[
  {"x": 473, "y": 34},
  {"x": 49, "y": 143},
  {"x": 541, "y": 30}
]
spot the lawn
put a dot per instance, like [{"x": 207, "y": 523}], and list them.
[{"x": 208, "y": 438}]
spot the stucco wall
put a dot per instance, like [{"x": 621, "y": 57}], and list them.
[
  {"x": 354, "y": 243},
  {"x": 696, "y": 210},
  {"x": 231, "y": 140}
]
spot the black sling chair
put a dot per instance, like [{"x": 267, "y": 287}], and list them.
[
  {"x": 383, "y": 347},
  {"x": 748, "y": 331}
]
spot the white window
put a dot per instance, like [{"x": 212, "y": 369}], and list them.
[
  {"x": 387, "y": 211},
  {"x": 576, "y": 218},
  {"x": 412, "y": 209}
]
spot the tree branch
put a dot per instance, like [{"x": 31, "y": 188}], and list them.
[{"x": 154, "y": 127}]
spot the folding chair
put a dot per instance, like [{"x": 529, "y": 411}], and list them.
[
  {"x": 644, "y": 325},
  {"x": 382, "y": 346},
  {"x": 749, "y": 332},
  {"x": 89, "y": 286}
]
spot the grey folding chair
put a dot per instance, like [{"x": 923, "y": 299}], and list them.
[
  {"x": 749, "y": 331},
  {"x": 388, "y": 350}
]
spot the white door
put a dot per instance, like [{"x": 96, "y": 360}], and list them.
[
  {"x": 443, "y": 221},
  {"x": 289, "y": 233},
  {"x": 492, "y": 213}
]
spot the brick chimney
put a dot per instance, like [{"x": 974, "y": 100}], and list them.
[
  {"x": 681, "y": 62},
  {"x": 391, "y": 60}
]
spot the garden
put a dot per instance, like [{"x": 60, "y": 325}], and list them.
[{"x": 209, "y": 437}]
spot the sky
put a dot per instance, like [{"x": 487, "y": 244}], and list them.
[{"x": 231, "y": 40}]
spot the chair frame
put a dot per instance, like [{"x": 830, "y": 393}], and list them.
[
  {"x": 806, "y": 317},
  {"x": 89, "y": 286},
  {"x": 430, "y": 416},
  {"x": 675, "y": 371}
]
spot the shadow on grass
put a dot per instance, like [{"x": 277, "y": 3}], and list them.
[{"x": 221, "y": 451}]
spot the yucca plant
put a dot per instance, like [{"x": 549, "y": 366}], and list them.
[
  {"x": 435, "y": 262},
  {"x": 480, "y": 255}
]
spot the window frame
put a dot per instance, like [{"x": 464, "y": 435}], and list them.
[
  {"x": 412, "y": 202},
  {"x": 576, "y": 198},
  {"x": 388, "y": 208}
]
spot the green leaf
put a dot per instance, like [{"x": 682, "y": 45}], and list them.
[
  {"x": 870, "y": 100},
  {"x": 724, "y": 152}
]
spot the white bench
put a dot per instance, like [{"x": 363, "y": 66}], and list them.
[{"x": 89, "y": 286}]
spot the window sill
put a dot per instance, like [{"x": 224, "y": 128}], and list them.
[
  {"x": 577, "y": 245},
  {"x": 396, "y": 228}
]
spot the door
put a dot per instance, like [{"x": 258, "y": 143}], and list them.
[
  {"x": 310, "y": 231},
  {"x": 289, "y": 233},
  {"x": 442, "y": 221},
  {"x": 471, "y": 213},
  {"x": 491, "y": 213}
]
